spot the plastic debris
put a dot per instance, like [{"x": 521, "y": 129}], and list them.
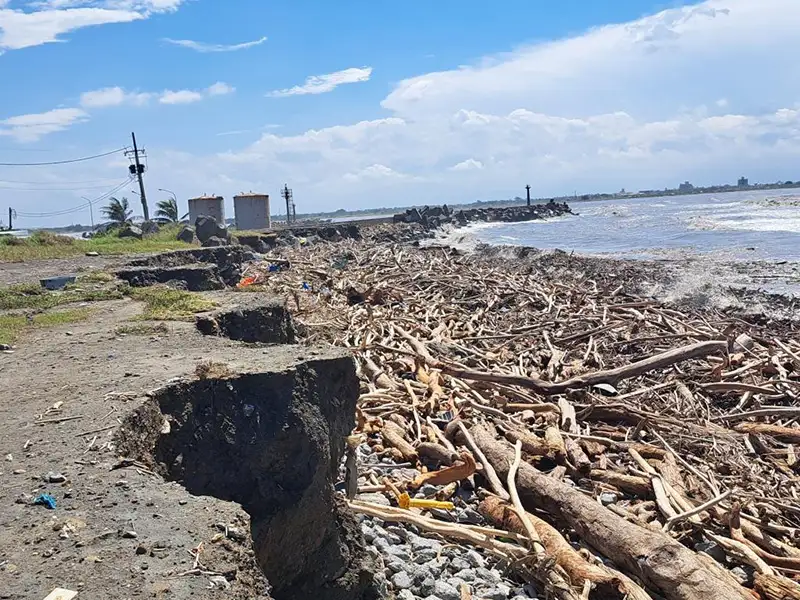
[
  {"x": 405, "y": 501},
  {"x": 246, "y": 281},
  {"x": 45, "y": 500}
]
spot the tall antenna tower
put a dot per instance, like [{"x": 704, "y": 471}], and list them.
[{"x": 291, "y": 211}]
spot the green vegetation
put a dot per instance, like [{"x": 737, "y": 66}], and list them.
[
  {"x": 168, "y": 210},
  {"x": 117, "y": 210},
  {"x": 13, "y": 325},
  {"x": 166, "y": 304},
  {"x": 43, "y": 244},
  {"x": 33, "y": 296},
  {"x": 143, "y": 329}
]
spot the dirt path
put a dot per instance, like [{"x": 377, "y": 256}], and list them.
[
  {"x": 32, "y": 271},
  {"x": 82, "y": 545}
]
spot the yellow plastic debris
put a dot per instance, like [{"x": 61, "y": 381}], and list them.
[{"x": 405, "y": 501}]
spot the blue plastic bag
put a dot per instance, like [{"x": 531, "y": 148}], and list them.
[{"x": 45, "y": 500}]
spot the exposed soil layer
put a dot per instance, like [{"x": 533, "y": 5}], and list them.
[
  {"x": 271, "y": 442},
  {"x": 195, "y": 278},
  {"x": 228, "y": 259},
  {"x": 255, "y": 320}
]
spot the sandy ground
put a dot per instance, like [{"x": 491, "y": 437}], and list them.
[
  {"x": 32, "y": 271},
  {"x": 82, "y": 545}
]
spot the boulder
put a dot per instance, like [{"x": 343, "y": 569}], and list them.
[
  {"x": 131, "y": 231},
  {"x": 207, "y": 227},
  {"x": 186, "y": 234},
  {"x": 150, "y": 228},
  {"x": 215, "y": 242}
]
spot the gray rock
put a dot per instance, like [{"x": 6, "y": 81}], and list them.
[
  {"x": 215, "y": 242},
  {"x": 607, "y": 498},
  {"x": 130, "y": 231},
  {"x": 375, "y": 499},
  {"x": 432, "y": 597},
  {"x": 419, "y": 543},
  {"x": 186, "y": 234},
  {"x": 397, "y": 551},
  {"x": 395, "y": 565},
  {"x": 501, "y": 592},
  {"x": 712, "y": 549},
  {"x": 207, "y": 228},
  {"x": 459, "y": 564},
  {"x": 428, "y": 490},
  {"x": 369, "y": 534},
  {"x": 150, "y": 228},
  {"x": 445, "y": 591},
  {"x": 456, "y": 582},
  {"x": 401, "y": 581},
  {"x": 475, "y": 559},
  {"x": 488, "y": 575},
  {"x": 405, "y": 595},
  {"x": 427, "y": 586},
  {"x": 373, "y": 552},
  {"x": 54, "y": 477},
  {"x": 466, "y": 574},
  {"x": 470, "y": 515},
  {"x": 399, "y": 532},
  {"x": 425, "y": 555}
]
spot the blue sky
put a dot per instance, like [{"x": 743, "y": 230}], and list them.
[{"x": 360, "y": 104}]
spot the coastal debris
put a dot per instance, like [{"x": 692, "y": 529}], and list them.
[{"x": 662, "y": 438}]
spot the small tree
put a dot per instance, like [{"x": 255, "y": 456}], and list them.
[
  {"x": 117, "y": 210},
  {"x": 168, "y": 210}
]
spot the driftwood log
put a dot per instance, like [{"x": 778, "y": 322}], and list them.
[{"x": 660, "y": 561}]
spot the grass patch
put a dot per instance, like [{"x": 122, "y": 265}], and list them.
[
  {"x": 43, "y": 244},
  {"x": 34, "y": 296},
  {"x": 212, "y": 370},
  {"x": 143, "y": 329},
  {"x": 166, "y": 304},
  {"x": 12, "y": 326},
  {"x": 95, "y": 276}
]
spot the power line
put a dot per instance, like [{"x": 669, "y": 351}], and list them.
[
  {"x": 63, "y": 162},
  {"x": 76, "y": 208},
  {"x": 12, "y": 188}
]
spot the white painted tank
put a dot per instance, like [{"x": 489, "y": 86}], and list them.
[
  {"x": 251, "y": 211},
  {"x": 207, "y": 206}
]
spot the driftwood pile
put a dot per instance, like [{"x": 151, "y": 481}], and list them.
[{"x": 623, "y": 448}]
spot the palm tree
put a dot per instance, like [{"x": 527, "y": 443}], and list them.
[
  {"x": 168, "y": 210},
  {"x": 117, "y": 210}
]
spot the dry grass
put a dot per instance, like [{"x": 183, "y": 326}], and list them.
[
  {"x": 144, "y": 329},
  {"x": 212, "y": 370}
]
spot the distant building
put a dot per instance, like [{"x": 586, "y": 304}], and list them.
[
  {"x": 686, "y": 187},
  {"x": 744, "y": 182}
]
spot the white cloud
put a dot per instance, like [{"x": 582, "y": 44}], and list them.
[
  {"x": 205, "y": 47},
  {"x": 113, "y": 96},
  {"x": 220, "y": 89},
  {"x": 468, "y": 165},
  {"x": 117, "y": 96},
  {"x": 32, "y": 127},
  {"x": 321, "y": 84},
  {"x": 49, "y": 20},
  {"x": 180, "y": 97}
]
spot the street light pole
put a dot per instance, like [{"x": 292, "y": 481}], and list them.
[
  {"x": 174, "y": 196},
  {"x": 91, "y": 211}
]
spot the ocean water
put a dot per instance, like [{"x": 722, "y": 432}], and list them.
[{"x": 735, "y": 226}]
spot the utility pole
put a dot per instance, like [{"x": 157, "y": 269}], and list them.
[
  {"x": 528, "y": 189},
  {"x": 10, "y": 222},
  {"x": 138, "y": 169},
  {"x": 290, "y": 208}
]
